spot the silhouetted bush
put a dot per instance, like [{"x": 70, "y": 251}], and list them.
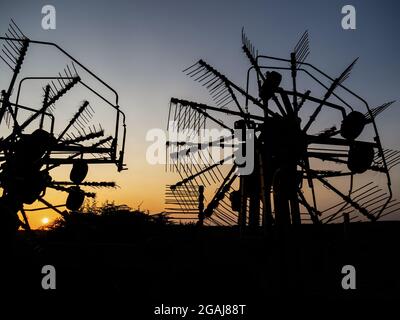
[{"x": 108, "y": 222}]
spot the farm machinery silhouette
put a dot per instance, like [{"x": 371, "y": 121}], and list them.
[
  {"x": 30, "y": 147},
  {"x": 303, "y": 171}
]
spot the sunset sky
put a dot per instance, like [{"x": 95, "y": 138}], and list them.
[{"x": 141, "y": 47}]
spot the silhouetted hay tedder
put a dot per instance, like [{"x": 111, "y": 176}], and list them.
[
  {"x": 304, "y": 171},
  {"x": 36, "y": 140}
]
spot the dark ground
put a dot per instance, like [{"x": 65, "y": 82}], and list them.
[{"x": 182, "y": 265}]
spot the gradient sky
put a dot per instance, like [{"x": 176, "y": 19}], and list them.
[{"x": 140, "y": 48}]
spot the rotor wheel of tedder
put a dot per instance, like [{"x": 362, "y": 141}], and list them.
[
  {"x": 30, "y": 147},
  {"x": 302, "y": 172}
]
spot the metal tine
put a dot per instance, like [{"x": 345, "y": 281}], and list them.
[
  {"x": 217, "y": 87},
  {"x": 52, "y": 91},
  {"x": 6, "y": 63},
  {"x": 12, "y": 48},
  {"x": 184, "y": 124},
  {"x": 376, "y": 202},
  {"x": 302, "y": 43},
  {"x": 66, "y": 73},
  {"x": 55, "y": 87},
  {"x": 346, "y": 73},
  {"x": 225, "y": 104},
  {"x": 394, "y": 160},
  {"x": 13, "y": 22},
  {"x": 205, "y": 84},
  {"x": 379, "y": 109},
  {"x": 221, "y": 102},
  {"x": 302, "y": 51},
  {"x": 194, "y": 70},
  {"x": 300, "y": 59},
  {"x": 205, "y": 166},
  {"x": 84, "y": 119},
  {"x": 91, "y": 108},
  {"x": 12, "y": 60},
  {"x": 220, "y": 93},
  {"x": 303, "y": 36},
  {"x": 385, "y": 213},
  {"x": 11, "y": 54},
  {"x": 203, "y": 77},
  {"x": 69, "y": 70},
  {"x": 14, "y": 34},
  {"x": 211, "y": 85},
  {"x": 61, "y": 78},
  {"x": 391, "y": 155},
  {"x": 222, "y": 96},
  {"x": 200, "y": 177},
  {"x": 62, "y": 85},
  {"x": 211, "y": 172},
  {"x": 88, "y": 113},
  {"x": 387, "y": 153},
  {"x": 380, "y": 195},
  {"x": 199, "y": 71},
  {"x": 342, "y": 202},
  {"x": 391, "y": 204},
  {"x": 73, "y": 66},
  {"x": 13, "y": 44},
  {"x": 188, "y": 68}
]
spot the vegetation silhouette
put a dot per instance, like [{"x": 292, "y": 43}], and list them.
[{"x": 108, "y": 222}]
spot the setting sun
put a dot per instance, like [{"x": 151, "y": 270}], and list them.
[{"x": 45, "y": 220}]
